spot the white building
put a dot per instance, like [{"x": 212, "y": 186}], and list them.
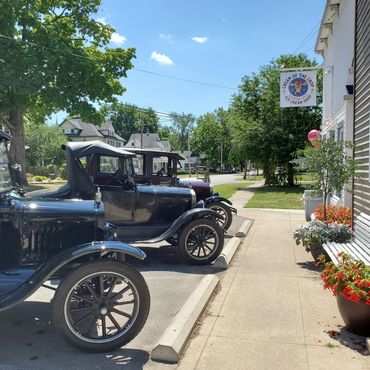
[{"x": 335, "y": 42}]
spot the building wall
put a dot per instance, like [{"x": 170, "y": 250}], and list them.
[
  {"x": 361, "y": 195},
  {"x": 338, "y": 72}
]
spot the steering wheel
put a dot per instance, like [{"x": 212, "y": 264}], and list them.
[
  {"x": 115, "y": 177},
  {"x": 161, "y": 172}
]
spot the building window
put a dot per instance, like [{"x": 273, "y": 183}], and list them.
[{"x": 340, "y": 132}]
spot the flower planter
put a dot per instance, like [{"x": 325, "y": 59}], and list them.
[
  {"x": 355, "y": 315},
  {"x": 316, "y": 250}
]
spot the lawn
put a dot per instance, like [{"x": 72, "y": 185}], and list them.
[
  {"x": 227, "y": 190},
  {"x": 277, "y": 197}
]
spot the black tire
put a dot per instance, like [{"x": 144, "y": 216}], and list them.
[
  {"x": 80, "y": 305},
  {"x": 224, "y": 211},
  {"x": 201, "y": 241}
]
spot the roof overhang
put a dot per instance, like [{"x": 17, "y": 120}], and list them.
[{"x": 331, "y": 11}]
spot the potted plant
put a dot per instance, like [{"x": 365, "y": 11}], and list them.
[
  {"x": 331, "y": 165},
  {"x": 316, "y": 233},
  {"x": 349, "y": 281}
]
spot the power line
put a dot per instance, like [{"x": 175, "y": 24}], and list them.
[
  {"x": 307, "y": 38},
  {"x": 134, "y": 68}
]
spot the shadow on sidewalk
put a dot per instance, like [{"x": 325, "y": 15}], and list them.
[
  {"x": 348, "y": 339},
  {"x": 310, "y": 266}
]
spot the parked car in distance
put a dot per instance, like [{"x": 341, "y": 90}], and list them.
[
  {"x": 154, "y": 167},
  {"x": 101, "y": 302},
  {"x": 141, "y": 213}
]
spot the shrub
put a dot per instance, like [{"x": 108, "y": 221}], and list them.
[
  {"x": 318, "y": 233},
  {"x": 338, "y": 214},
  {"x": 39, "y": 178}
]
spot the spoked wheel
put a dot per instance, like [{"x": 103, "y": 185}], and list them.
[
  {"x": 201, "y": 241},
  {"x": 101, "y": 306},
  {"x": 224, "y": 211}
]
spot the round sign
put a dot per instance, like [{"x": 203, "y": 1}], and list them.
[{"x": 298, "y": 86}]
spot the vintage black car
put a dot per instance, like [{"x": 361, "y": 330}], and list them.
[
  {"x": 141, "y": 213},
  {"x": 101, "y": 302},
  {"x": 156, "y": 167}
]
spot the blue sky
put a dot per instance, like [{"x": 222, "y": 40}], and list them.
[{"x": 217, "y": 42}]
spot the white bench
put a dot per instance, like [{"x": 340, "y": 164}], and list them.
[
  {"x": 335, "y": 201},
  {"x": 359, "y": 247}
]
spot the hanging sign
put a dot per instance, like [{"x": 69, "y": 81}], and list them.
[{"x": 298, "y": 89}]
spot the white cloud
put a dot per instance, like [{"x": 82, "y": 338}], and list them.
[
  {"x": 118, "y": 39},
  {"x": 165, "y": 37},
  {"x": 200, "y": 39},
  {"x": 161, "y": 58},
  {"x": 101, "y": 20}
]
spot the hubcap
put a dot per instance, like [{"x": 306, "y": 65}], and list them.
[{"x": 101, "y": 307}]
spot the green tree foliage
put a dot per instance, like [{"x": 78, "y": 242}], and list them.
[
  {"x": 262, "y": 130},
  {"x": 212, "y": 137},
  {"x": 332, "y": 165},
  {"x": 44, "y": 145},
  {"x": 55, "y": 56},
  {"x": 182, "y": 126},
  {"x": 128, "y": 119}
]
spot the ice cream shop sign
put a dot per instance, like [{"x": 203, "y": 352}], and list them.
[{"x": 298, "y": 88}]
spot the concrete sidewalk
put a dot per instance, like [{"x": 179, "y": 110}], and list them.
[{"x": 271, "y": 311}]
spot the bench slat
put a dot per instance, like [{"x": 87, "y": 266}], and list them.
[{"x": 359, "y": 247}]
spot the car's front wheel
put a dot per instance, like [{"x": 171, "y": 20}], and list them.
[
  {"x": 201, "y": 241},
  {"x": 101, "y": 306},
  {"x": 224, "y": 211}
]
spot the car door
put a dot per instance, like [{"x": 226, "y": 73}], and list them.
[{"x": 117, "y": 194}]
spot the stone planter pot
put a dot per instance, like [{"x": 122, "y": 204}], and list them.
[
  {"x": 355, "y": 315},
  {"x": 316, "y": 249}
]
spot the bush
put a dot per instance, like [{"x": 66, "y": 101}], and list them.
[
  {"x": 341, "y": 215},
  {"x": 39, "y": 178}
]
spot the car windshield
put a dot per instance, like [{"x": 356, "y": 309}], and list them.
[{"x": 5, "y": 179}]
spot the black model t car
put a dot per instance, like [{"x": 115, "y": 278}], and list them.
[
  {"x": 156, "y": 167},
  {"x": 101, "y": 302},
  {"x": 141, "y": 213}
]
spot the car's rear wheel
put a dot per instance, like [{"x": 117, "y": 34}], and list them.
[
  {"x": 201, "y": 241},
  {"x": 224, "y": 211},
  {"x": 101, "y": 306}
]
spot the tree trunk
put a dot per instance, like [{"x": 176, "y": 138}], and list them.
[
  {"x": 245, "y": 170},
  {"x": 290, "y": 175},
  {"x": 17, "y": 147}
]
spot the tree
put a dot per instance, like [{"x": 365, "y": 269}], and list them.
[
  {"x": 44, "y": 145},
  {"x": 211, "y": 136},
  {"x": 55, "y": 56},
  {"x": 273, "y": 135},
  {"x": 128, "y": 119},
  {"x": 182, "y": 126},
  {"x": 331, "y": 166}
]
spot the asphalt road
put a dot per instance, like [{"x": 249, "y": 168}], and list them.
[
  {"x": 222, "y": 179},
  {"x": 29, "y": 341}
]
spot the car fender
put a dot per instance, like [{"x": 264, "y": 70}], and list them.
[
  {"x": 184, "y": 219},
  {"x": 217, "y": 199},
  {"x": 49, "y": 268}
]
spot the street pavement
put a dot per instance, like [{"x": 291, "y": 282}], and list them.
[
  {"x": 271, "y": 311},
  {"x": 231, "y": 178},
  {"x": 29, "y": 341}
]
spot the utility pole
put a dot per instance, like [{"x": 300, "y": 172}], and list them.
[
  {"x": 221, "y": 157},
  {"x": 189, "y": 155},
  {"x": 141, "y": 132}
]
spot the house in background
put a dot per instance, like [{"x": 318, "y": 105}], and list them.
[
  {"x": 149, "y": 141},
  {"x": 335, "y": 42},
  {"x": 77, "y": 130}
]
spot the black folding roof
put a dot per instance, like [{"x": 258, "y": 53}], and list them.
[{"x": 84, "y": 148}]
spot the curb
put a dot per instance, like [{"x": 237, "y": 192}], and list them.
[
  {"x": 227, "y": 254},
  {"x": 243, "y": 229},
  {"x": 368, "y": 344},
  {"x": 172, "y": 342}
]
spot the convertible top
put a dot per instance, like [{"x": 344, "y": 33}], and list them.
[
  {"x": 85, "y": 148},
  {"x": 153, "y": 151},
  {"x": 4, "y": 135}
]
